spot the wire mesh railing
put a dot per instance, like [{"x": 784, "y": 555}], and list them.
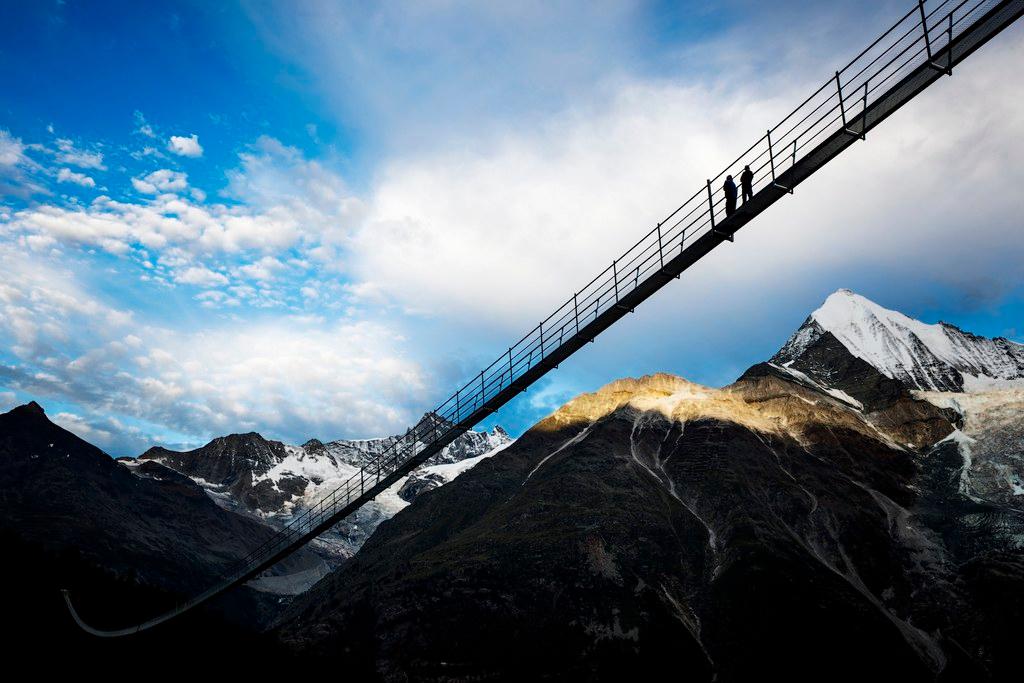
[{"x": 841, "y": 103}]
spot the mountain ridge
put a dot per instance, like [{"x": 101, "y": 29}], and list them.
[{"x": 275, "y": 481}]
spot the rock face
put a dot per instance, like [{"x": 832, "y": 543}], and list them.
[
  {"x": 234, "y": 464},
  {"x": 809, "y": 522},
  {"x": 990, "y": 444}
]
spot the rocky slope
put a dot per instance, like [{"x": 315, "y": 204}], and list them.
[{"x": 810, "y": 521}]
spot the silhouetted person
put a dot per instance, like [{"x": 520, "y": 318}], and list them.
[
  {"x": 730, "y": 196},
  {"x": 747, "y": 183}
]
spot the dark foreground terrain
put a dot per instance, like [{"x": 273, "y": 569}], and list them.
[{"x": 126, "y": 546}]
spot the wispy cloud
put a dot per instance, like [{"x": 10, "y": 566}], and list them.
[
  {"x": 163, "y": 180},
  {"x": 286, "y": 377},
  {"x": 16, "y": 168},
  {"x": 68, "y": 153},
  {"x": 66, "y": 175},
  {"x": 287, "y": 213}
]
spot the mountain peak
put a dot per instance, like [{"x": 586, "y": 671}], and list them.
[
  {"x": 936, "y": 357},
  {"x": 30, "y": 408}
]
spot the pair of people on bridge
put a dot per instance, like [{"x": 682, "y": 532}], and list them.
[{"x": 729, "y": 187}]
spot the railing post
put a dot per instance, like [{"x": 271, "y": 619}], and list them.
[
  {"x": 615, "y": 278},
  {"x": 458, "y": 406},
  {"x": 540, "y": 327},
  {"x": 661, "y": 252},
  {"x": 711, "y": 205},
  {"x": 949, "y": 46},
  {"x": 842, "y": 107},
  {"x": 864, "y": 113},
  {"x": 771, "y": 155},
  {"x": 510, "y": 374},
  {"x": 924, "y": 27},
  {"x": 576, "y": 310},
  {"x": 483, "y": 392},
  {"x": 948, "y": 69}
]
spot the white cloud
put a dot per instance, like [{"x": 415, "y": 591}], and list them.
[
  {"x": 163, "y": 180},
  {"x": 267, "y": 268},
  {"x": 66, "y": 175},
  {"x": 489, "y": 236},
  {"x": 275, "y": 177},
  {"x": 15, "y": 169},
  {"x": 203, "y": 277},
  {"x": 288, "y": 213},
  {"x": 185, "y": 146},
  {"x": 71, "y": 155},
  {"x": 81, "y": 427},
  {"x": 181, "y": 230},
  {"x": 12, "y": 150},
  {"x": 291, "y": 378},
  {"x": 511, "y": 228}
]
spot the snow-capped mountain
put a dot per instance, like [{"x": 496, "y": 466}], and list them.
[
  {"x": 871, "y": 357},
  {"x": 938, "y": 357},
  {"x": 274, "y": 480}
]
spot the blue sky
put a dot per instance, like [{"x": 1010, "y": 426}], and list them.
[{"x": 318, "y": 218}]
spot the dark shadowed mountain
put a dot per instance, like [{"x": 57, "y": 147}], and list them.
[{"x": 128, "y": 542}]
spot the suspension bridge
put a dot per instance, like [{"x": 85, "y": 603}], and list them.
[{"x": 925, "y": 44}]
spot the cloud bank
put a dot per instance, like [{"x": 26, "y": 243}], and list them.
[{"x": 289, "y": 299}]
